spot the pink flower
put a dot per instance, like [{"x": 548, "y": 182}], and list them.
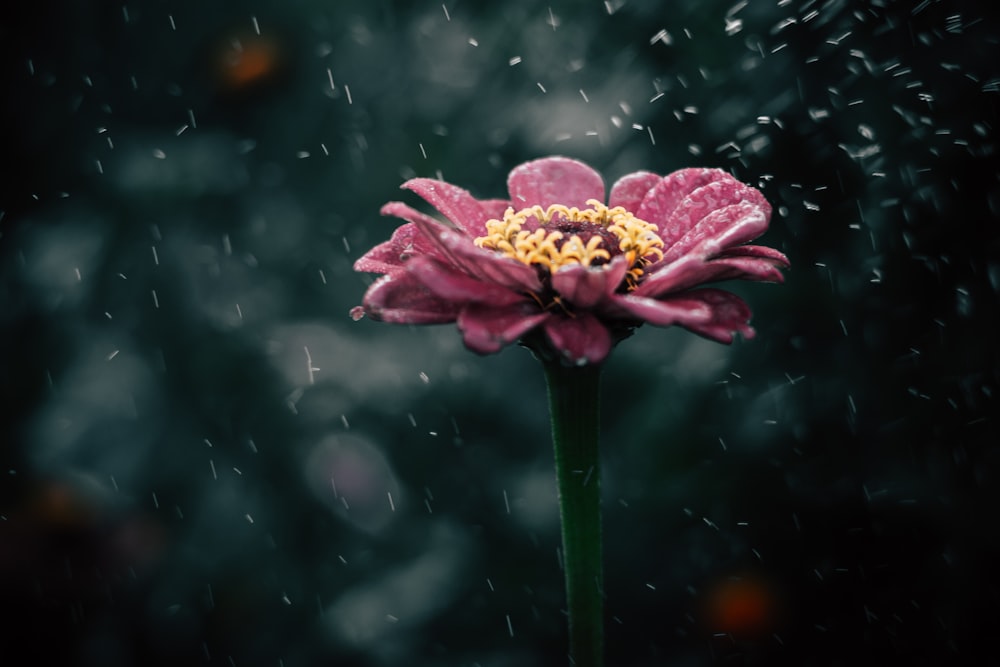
[{"x": 557, "y": 269}]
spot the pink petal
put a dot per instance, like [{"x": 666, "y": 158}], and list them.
[
  {"x": 488, "y": 329},
  {"x": 730, "y": 315},
  {"x": 664, "y": 313},
  {"x": 581, "y": 339},
  {"x": 455, "y": 248},
  {"x": 455, "y": 203},
  {"x": 554, "y": 180},
  {"x": 433, "y": 231},
  {"x": 692, "y": 270},
  {"x": 454, "y": 286},
  {"x": 712, "y": 231},
  {"x": 629, "y": 190},
  {"x": 661, "y": 201},
  {"x": 702, "y": 201},
  {"x": 711, "y": 313},
  {"x": 389, "y": 256},
  {"x": 759, "y": 251},
  {"x": 585, "y": 286},
  {"x": 430, "y": 228},
  {"x": 400, "y": 299},
  {"x": 488, "y": 265},
  {"x": 493, "y": 209}
]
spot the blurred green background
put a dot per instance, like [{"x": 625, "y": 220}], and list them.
[{"x": 204, "y": 460}]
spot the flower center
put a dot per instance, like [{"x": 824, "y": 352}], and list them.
[{"x": 559, "y": 236}]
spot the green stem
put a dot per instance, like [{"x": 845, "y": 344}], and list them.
[{"x": 574, "y": 401}]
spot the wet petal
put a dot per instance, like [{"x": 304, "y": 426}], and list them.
[
  {"x": 493, "y": 209},
  {"x": 730, "y": 315},
  {"x": 692, "y": 270},
  {"x": 585, "y": 286},
  {"x": 401, "y": 299},
  {"x": 554, "y": 180},
  {"x": 580, "y": 339},
  {"x": 434, "y": 231},
  {"x": 664, "y": 313},
  {"x": 453, "y": 285},
  {"x": 455, "y": 203},
  {"x": 709, "y": 233},
  {"x": 661, "y": 201},
  {"x": 712, "y": 313},
  {"x": 629, "y": 190},
  {"x": 389, "y": 256},
  {"x": 761, "y": 252},
  {"x": 430, "y": 228},
  {"x": 487, "y": 265},
  {"x": 488, "y": 329}
]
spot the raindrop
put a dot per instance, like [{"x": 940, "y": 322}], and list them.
[{"x": 662, "y": 36}]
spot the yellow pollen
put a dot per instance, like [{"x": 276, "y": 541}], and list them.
[{"x": 637, "y": 239}]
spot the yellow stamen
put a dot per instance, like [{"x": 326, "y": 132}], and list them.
[{"x": 637, "y": 239}]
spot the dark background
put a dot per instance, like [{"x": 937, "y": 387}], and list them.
[{"x": 186, "y": 187}]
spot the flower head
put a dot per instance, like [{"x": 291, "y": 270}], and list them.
[{"x": 557, "y": 268}]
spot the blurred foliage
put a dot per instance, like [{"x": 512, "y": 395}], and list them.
[{"x": 205, "y": 461}]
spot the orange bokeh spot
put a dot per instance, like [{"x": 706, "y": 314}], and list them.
[
  {"x": 61, "y": 505},
  {"x": 745, "y": 607},
  {"x": 248, "y": 62}
]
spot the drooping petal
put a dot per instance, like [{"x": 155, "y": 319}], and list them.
[
  {"x": 663, "y": 198},
  {"x": 585, "y": 286},
  {"x": 712, "y": 313},
  {"x": 730, "y": 315},
  {"x": 664, "y": 313},
  {"x": 452, "y": 285},
  {"x": 761, "y": 252},
  {"x": 692, "y": 270},
  {"x": 581, "y": 339},
  {"x": 455, "y": 203},
  {"x": 389, "y": 256},
  {"x": 401, "y": 299},
  {"x": 554, "y": 180},
  {"x": 629, "y": 190},
  {"x": 487, "y": 329},
  {"x": 712, "y": 230}
]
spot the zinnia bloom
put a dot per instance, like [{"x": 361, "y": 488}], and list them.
[{"x": 555, "y": 267}]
